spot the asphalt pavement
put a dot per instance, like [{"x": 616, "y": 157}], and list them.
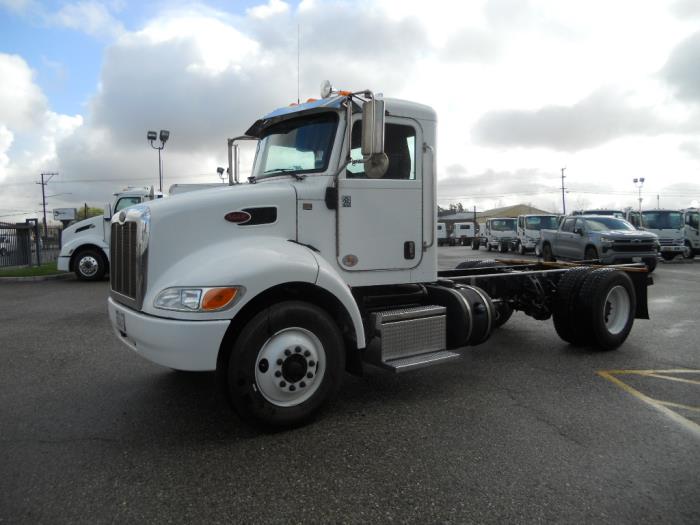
[{"x": 524, "y": 428}]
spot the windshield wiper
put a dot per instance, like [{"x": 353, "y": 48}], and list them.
[{"x": 284, "y": 171}]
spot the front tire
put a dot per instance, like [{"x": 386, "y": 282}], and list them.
[
  {"x": 547, "y": 253},
  {"x": 90, "y": 265},
  {"x": 688, "y": 252},
  {"x": 521, "y": 249},
  {"x": 668, "y": 256},
  {"x": 286, "y": 363},
  {"x": 590, "y": 254}
]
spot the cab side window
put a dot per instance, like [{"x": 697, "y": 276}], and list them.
[
  {"x": 580, "y": 225},
  {"x": 568, "y": 225},
  {"x": 399, "y": 146},
  {"x": 125, "y": 202}
]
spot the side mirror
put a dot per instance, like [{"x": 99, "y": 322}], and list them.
[
  {"x": 376, "y": 161},
  {"x": 107, "y": 214},
  {"x": 578, "y": 231}
]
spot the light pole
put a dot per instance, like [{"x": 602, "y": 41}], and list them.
[
  {"x": 638, "y": 184},
  {"x": 164, "y": 135}
]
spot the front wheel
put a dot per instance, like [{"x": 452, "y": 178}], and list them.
[
  {"x": 475, "y": 244},
  {"x": 90, "y": 265},
  {"x": 287, "y": 361},
  {"x": 688, "y": 251},
  {"x": 521, "y": 249},
  {"x": 547, "y": 253},
  {"x": 668, "y": 256}
]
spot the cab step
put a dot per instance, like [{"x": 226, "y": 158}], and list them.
[
  {"x": 409, "y": 338},
  {"x": 405, "y": 364}
]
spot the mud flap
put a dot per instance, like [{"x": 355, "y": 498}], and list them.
[{"x": 641, "y": 281}]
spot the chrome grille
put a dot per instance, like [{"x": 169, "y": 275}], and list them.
[{"x": 124, "y": 259}]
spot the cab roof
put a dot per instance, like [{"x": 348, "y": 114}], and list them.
[{"x": 393, "y": 106}]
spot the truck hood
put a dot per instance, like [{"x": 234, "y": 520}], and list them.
[
  {"x": 91, "y": 226},
  {"x": 186, "y": 226},
  {"x": 628, "y": 234}
]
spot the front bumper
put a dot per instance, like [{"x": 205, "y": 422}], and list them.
[
  {"x": 178, "y": 344},
  {"x": 626, "y": 257},
  {"x": 672, "y": 248},
  {"x": 63, "y": 263}
]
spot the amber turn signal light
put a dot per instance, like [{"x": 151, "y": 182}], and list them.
[{"x": 217, "y": 298}]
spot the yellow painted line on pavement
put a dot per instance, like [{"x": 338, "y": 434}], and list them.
[
  {"x": 680, "y": 405},
  {"x": 671, "y": 378},
  {"x": 661, "y": 406}
]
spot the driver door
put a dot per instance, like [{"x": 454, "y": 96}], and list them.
[{"x": 380, "y": 221}]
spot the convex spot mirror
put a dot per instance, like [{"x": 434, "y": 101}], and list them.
[{"x": 376, "y": 161}]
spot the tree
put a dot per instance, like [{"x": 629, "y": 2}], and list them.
[{"x": 86, "y": 212}]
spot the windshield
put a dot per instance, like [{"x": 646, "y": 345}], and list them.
[
  {"x": 503, "y": 225},
  {"x": 546, "y": 222},
  {"x": 604, "y": 224},
  {"x": 662, "y": 220},
  {"x": 300, "y": 145},
  {"x": 613, "y": 213}
]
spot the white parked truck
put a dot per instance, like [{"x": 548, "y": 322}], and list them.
[
  {"x": 669, "y": 227},
  {"x": 464, "y": 233},
  {"x": 529, "y": 228},
  {"x": 85, "y": 244},
  {"x": 499, "y": 234},
  {"x": 443, "y": 237},
  {"x": 691, "y": 219},
  {"x": 326, "y": 261}
]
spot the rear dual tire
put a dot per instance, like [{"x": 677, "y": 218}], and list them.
[{"x": 594, "y": 307}]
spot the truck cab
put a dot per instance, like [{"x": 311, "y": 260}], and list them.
[
  {"x": 691, "y": 232},
  {"x": 85, "y": 244},
  {"x": 442, "y": 235},
  {"x": 464, "y": 233},
  {"x": 529, "y": 228},
  {"x": 500, "y": 234},
  {"x": 669, "y": 227},
  {"x": 325, "y": 261}
]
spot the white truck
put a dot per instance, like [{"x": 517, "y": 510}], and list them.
[
  {"x": 691, "y": 220},
  {"x": 464, "y": 233},
  {"x": 499, "y": 233},
  {"x": 669, "y": 227},
  {"x": 326, "y": 261},
  {"x": 443, "y": 237},
  {"x": 85, "y": 244},
  {"x": 529, "y": 228}
]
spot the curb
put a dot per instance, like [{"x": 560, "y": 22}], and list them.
[{"x": 36, "y": 278}]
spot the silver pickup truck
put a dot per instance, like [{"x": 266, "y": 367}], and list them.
[{"x": 595, "y": 237}]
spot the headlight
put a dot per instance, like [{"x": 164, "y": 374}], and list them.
[{"x": 183, "y": 299}]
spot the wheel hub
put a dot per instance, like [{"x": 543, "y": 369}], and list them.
[
  {"x": 290, "y": 367},
  {"x": 616, "y": 309},
  {"x": 88, "y": 266}
]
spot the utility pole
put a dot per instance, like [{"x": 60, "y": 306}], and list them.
[
  {"x": 45, "y": 178},
  {"x": 657, "y": 202},
  {"x": 563, "y": 189}
]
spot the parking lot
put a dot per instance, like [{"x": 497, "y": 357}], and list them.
[{"x": 523, "y": 428}]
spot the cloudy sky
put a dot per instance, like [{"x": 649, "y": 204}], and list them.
[{"x": 609, "y": 89}]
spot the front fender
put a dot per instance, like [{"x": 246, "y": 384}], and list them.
[
  {"x": 255, "y": 263},
  {"x": 330, "y": 280},
  {"x": 70, "y": 247}
]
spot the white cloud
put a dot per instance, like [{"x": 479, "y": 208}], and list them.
[
  {"x": 6, "y": 138},
  {"x": 272, "y": 8},
  {"x": 89, "y": 17},
  {"x": 22, "y": 104}
]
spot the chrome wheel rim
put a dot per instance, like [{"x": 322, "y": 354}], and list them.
[
  {"x": 88, "y": 266},
  {"x": 290, "y": 367},
  {"x": 616, "y": 309}
]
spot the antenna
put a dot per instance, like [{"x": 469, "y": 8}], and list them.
[{"x": 298, "y": 57}]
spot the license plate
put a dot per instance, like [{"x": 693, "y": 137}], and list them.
[
  {"x": 636, "y": 259},
  {"x": 121, "y": 322}
]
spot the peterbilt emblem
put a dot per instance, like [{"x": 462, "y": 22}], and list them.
[
  {"x": 122, "y": 216},
  {"x": 238, "y": 217}
]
